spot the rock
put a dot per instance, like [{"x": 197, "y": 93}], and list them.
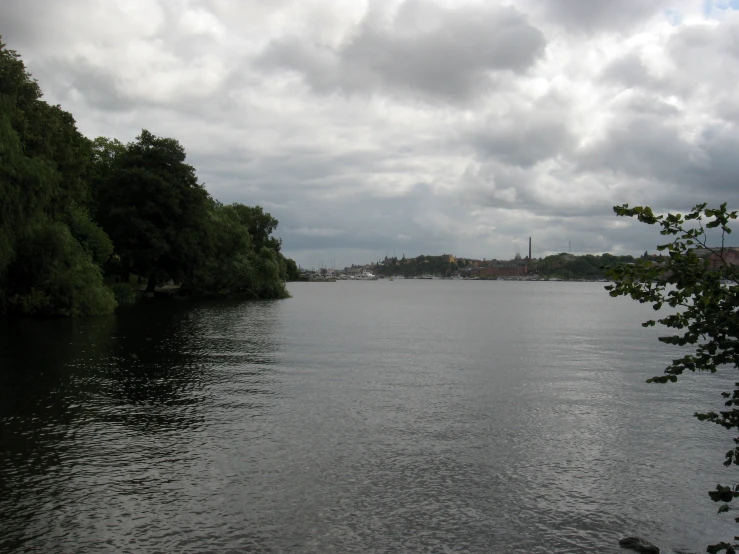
[{"x": 639, "y": 544}]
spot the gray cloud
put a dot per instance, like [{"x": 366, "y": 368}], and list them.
[
  {"x": 681, "y": 169},
  {"x": 644, "y": 104},
  {"x": 523, "y": 138},
  {"x": 594, "y": 15},
  {"x": 628, "y": 71},
  {"x": 418, "y": 126},
  {"x": 640, "y": 146},
  {"x": 68, "y": 77},
  {"x": 450, "y": 57},
  {"x": 705, "y": 59}
]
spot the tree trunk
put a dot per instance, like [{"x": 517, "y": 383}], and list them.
[
  {"x": 125, "y": 272},
  {"x": 152, "y": 284}
]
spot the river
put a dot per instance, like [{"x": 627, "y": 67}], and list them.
[{"x": 357, "y": 417}]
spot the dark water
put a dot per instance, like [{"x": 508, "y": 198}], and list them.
[{"x": 406, "y": 416}]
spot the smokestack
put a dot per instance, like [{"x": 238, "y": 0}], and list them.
[{"x": 529, "y": 248}]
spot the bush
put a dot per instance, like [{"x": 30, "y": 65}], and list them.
[
  {"x": 124, "y": 294},
  {"x": 53, "y": 275}
]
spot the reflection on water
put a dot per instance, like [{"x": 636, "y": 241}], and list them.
[
  {"x": 107, "y": 428},
  {"x": 355, "y": 417}
]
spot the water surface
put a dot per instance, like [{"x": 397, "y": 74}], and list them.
[{"x": 404, "y": 416}]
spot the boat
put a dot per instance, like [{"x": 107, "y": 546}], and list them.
[
  {"x": 366, "y": 275},
  {"x": 322, "y": 279}
]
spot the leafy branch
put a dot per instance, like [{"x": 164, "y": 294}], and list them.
[{"x": 691, "y": 279}]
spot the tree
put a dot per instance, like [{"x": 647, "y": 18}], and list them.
[
  {"x": 292, "y": 273},
  {"x": 54, "y": 274},
  {"x": 50, "y": 249},
  {"x": 259, "y": 224},
  {"x": 56, "y": 186},
  {"x": 707, "y": 319},
  {"x": 153, "y": 208},
  {"x": 231, "y": 265},
  {"x": 105, "y": 155}
]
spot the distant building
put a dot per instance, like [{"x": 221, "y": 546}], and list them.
[{"x": 729, "y": 257}]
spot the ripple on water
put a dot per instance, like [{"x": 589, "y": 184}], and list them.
[{"x": 362, "y": 417}]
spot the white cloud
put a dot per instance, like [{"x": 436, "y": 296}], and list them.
[{"x": 199, "y": 21}]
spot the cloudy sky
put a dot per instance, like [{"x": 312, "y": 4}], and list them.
[{"x": 373, "y": 127}]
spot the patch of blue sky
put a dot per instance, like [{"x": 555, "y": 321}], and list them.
[
  {"x": 716, "y": 9},
  {"x": 674, "y": 17}
]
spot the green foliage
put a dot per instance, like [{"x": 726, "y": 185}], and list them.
[
  {"x": 706, "y": 315},
  {"x": 225, "y": 268},
  {"x": 50, "y": 250},
  {"x": 153, "y": 208},
  {"x": 123, "y": 293},
  {"x": 92, "y": 238},
  {"x": 232, "y": 266},
  {"x": 53, "y": 275},
  {"x": 27, "y": 183},
  {"x": 268, "y": 277},
  {"x": 420, "y": 265},
  {"x": 105, "y": 154},
  {"x": 292, "y": 273},
  {"x": 259, "y": 224},
  {"x": 71, "y": 206},
  {"x": 566, "y": 265}
]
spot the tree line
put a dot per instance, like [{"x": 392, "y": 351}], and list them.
[
  {"x": 414, "y": 267},
  {"x": 83, "y": 221},
  {"x": 563, "y": 265},
  {"x": 587, "y": 266}
]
